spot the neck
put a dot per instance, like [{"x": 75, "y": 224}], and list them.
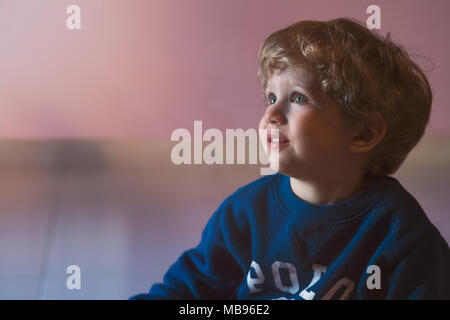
[{"x": 329, "y": 190}]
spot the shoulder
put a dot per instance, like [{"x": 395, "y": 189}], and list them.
[
  {"x": 256, "y": 188},
  {"x": 254, "y": 192},
  {"x": 401, "y": 206},
  {"x": 250, "y": 199},
  {"x": 410, "y": 248},
  {"x": 408, "y": 226},
  {"x": 232, "y": 222}
]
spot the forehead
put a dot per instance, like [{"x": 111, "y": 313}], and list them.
[{"x": 292, "y": 76}]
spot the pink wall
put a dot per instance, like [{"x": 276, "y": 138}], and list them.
[{"x": 142, "y": 68}]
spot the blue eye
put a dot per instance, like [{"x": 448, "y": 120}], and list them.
[
  {"x": 271, "y": 99},
  {"x": 299, "y": 98}
]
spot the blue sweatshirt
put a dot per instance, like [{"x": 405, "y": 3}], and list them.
[{"x": 264, "y": 242}]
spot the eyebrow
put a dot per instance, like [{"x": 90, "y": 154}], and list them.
[{"x": 303, "y": 90}]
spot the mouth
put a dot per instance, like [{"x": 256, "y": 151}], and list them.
[{"x": 279, "y": 142}]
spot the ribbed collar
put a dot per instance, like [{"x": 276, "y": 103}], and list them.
[{"x": 339, "y": 212}]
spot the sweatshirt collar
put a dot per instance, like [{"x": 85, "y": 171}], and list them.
[{"x": 306, "y": 212}]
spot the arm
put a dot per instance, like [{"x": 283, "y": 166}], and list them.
[{"x": 209, "y": 271}]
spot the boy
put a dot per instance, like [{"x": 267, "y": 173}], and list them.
[{"x": 349, "y": 105}]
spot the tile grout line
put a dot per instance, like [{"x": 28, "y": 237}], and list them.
[{"x": 51, "y": 230}]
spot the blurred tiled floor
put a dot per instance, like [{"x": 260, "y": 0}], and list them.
[{"x": 123, "y": 212}]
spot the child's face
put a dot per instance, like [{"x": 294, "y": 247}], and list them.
[{"x": 317, "y": 137}]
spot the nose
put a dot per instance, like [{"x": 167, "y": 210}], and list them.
[{"x": 275, "y": 116}]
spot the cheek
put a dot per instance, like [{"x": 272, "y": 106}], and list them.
[
  {"x": 305, "y": 128},
  {"x": 315, "y": 134},
  {"x": 334, "y": 138}
]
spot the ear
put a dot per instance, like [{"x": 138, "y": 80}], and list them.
[{"x": 366, "y": 138}]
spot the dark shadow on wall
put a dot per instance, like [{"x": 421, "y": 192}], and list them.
[{"x": 52, "y": 155}]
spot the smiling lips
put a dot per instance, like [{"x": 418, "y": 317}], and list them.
[{"x": 279, "y": 142}]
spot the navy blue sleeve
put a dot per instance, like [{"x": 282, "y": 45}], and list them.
[
  {"x": 424, "y": 272},
  {"x": 209, "y": 271}
]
